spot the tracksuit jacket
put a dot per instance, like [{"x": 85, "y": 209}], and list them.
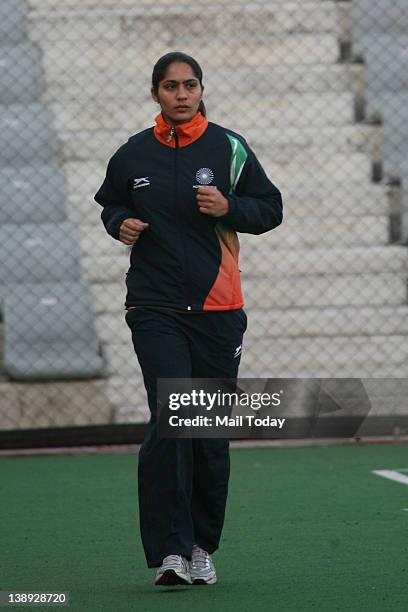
[{"x": 187, "y": 260}]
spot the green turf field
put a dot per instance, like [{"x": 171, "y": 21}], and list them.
[{"x": 306, "y": 529}]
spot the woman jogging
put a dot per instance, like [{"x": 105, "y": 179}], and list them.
[{"x": 178, "y": 193}]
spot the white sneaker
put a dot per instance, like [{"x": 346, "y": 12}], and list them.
[
  {"x": 174, "y": 570},
  {"x": 202, "y": 570}
]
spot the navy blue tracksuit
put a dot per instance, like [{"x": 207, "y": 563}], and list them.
[
  {"x": 183, "y": 482},
  {"x": 185, "y": 305}
]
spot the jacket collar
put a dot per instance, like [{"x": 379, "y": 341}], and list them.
[{"x": 186, "y": 132}]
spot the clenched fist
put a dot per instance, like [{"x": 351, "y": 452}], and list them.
[
  {"x": 131, "y": 229},
  {"x": 211, "y": 201}
]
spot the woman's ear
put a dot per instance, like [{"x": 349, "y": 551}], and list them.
[{"x": 155, "y": 98}]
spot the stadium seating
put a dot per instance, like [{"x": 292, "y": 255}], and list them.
[
  {"x": 46, "y": 308},
  {"x": 20, "y": 73},
  {"x": 32, "y": 194},
  {"x": 386, "y": 56},
  {"x": 325, "y": 292},
  {"x": 395, "y": 116},
  {"x": 33, "y": 253},
  {"x": 26, "y": 134},
  {"x": 13, "y": 24},
  {"x": 379, "y": 16},
  {"x": 380, "y": 34},
  {"x": 49, "y": 332}
]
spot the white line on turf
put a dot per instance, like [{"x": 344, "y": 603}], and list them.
[{"x": 392, "y": 475}]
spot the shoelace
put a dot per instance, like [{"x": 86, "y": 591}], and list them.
[
  {"x": 201, "y": 558},
  {"x": 174, "y": 559}
]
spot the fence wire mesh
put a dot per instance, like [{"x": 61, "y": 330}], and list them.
[{"x": 320, "y": 91}]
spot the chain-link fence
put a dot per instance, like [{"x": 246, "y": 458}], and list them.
[{"x": 319, "y": 89}]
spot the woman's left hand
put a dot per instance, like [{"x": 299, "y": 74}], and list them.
[{"x": 211, "y": 201}]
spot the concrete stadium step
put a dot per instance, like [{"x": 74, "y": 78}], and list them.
[
  {"x": 293, "y": 142},
  {"x": 337, "y": 356},
  {"x": 294, "y": 109},
  {"x": 381, "y": 289},
  {"x": 20, "y": 73},
  {"x": 387, "y": 393},
  {"x": 167, "y": 22},
  {"x": 31, "y": 405},
  {"x": 313, "y": 322},
  {"x": 109, "y": 297},
  {"x": 331, "y": 290},
  {"x": 138, "y": 56},
  {"x": 130, "y": 413},
  {"x": 316, "y": 187},
  {"x": 279, "y": 144},
  {"x": 26, "y": 134},
  {"x": 95, "y": 242},
  {"x": 129, "y": 394},
  {"x": 334, "y": 188},
  {"x": 117, "y": 382},
  {"x": 332, "y": 354},
  {"x": 106, "y": 268},
  {"x": 356, "y": 165},
  {"x": 374, "y": 203},
  {"x": 260, "y": 370},
  {"x": 318, "y": 78},
  {"x": 331, "y": 231},
  {"x": 276, "y": 323},
  {"x": 260, "y": 258}
]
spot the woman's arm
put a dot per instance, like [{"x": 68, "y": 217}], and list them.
[
  {"x": 115, "y": 199},
  {"x": 255, "y": 206}
]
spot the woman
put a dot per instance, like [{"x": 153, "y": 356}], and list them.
[{"x": 178, "y": 193}]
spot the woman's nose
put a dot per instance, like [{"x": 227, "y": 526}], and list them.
[{"x": 181, "y": 93}]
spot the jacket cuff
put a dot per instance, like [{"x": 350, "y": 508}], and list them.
[
  {"x": 232, "y": 206},
  {"x": 114, "y": 225}
]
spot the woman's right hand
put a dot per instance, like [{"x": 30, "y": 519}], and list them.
[{"x": 130, "y": 230}]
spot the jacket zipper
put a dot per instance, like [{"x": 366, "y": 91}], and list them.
[{"x": 186, "y": 266}]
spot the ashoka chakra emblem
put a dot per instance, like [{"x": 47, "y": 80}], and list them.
[{"x": 204, "y": 176}]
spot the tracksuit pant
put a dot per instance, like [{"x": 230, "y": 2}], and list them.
[{"x": 183, "y": 482}]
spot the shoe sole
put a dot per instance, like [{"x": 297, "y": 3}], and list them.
[
  {"x": 171, "y": 578},
  {"x": 198, "y": 581}
]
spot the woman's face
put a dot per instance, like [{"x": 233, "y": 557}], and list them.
[{"x": 179, "y": 93}]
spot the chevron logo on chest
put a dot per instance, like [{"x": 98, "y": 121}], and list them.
[{"x": 144, "y": 181}]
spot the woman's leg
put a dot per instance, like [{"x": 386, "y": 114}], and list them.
[
  {"x": 216, "y": 353},
  {"x": 165, "y": 465}
]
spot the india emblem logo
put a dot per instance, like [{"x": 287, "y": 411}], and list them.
[{"x": 204, "y": 176}]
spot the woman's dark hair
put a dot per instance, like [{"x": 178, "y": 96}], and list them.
[{"x": 160, "y": 68}]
